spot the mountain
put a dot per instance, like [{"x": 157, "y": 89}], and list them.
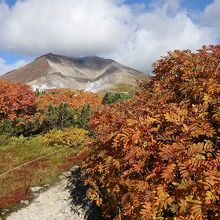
[{"x": 89, "y": 73}]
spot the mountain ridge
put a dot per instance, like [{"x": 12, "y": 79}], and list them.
[{"x": 91, "y": 73}]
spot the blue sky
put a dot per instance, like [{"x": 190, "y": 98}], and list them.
[
  {"x": 133, "y": 31},
  {"x": 10, "y": 2},
  {"x": 190, "y": 4}
]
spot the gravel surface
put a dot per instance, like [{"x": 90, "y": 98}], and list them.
[{"x": 53, "y": 204}]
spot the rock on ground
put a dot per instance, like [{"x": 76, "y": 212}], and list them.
[{"x": 53, "y": 204}]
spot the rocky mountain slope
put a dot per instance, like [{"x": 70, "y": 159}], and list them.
[{"x": 94, "y": 74}]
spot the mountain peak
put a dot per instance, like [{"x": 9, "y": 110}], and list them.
[
  {"x": 48, "y": 56},
  {"x": 90, "y": 73}
]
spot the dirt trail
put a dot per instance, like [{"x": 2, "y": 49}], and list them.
[
  {"x": 65, "y": 201},
  {"x": 52, "y": 204}
]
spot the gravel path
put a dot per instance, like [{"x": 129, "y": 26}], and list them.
[{"x": 53, "y": 204}]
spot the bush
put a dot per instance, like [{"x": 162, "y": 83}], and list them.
[
  {"x": 158, "y": 155},
  {"x": 21, "y": 126},
  {"x": 63, "y": 116},
  {"x": 111, "y": 98},
  {"x": 16, "y": 100},
  {"x": 74, "y": 98},
  {"x": 58, "y": 117},
  {"x": 69, "y": 137},
  {"x": 83, "y": 117}
]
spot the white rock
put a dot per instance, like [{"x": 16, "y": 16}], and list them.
[
  {"x": 36, "y": 189},
  {"x": 24, "y": 202}
]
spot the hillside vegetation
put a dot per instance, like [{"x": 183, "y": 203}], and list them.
[
  {"x": 42, "y": 134},
  {"x": 53, "y": 124}
]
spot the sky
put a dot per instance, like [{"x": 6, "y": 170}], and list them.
[{"x": 133, "y": 32}]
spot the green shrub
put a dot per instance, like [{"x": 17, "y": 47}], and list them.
[
  {"x": 63, "y": 116},
  {"x": 111, "y": 98},
  {"x": 83, "y": 117},
  {"x": 20, "y": 126},
  {"x": 59, "y": 117}
]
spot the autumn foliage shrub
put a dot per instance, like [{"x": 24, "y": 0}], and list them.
[
  {"x": 158, "y": 155},
  {"x": 17, "y": 109},
  {"x": 16, "y": 100},
  {"x": 73, "y": 98}
]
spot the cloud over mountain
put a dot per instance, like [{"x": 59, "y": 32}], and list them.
[{"x": 132, "y": 35}]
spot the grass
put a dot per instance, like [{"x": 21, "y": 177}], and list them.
[{"x": 15, "y": 186}]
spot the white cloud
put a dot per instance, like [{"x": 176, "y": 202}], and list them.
[
  {"x": 212, "y": 16},
  {"x": 6, "y": 67},
  {"x": 158, "y": 33},
  {"x": 108, "y": 28}
]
